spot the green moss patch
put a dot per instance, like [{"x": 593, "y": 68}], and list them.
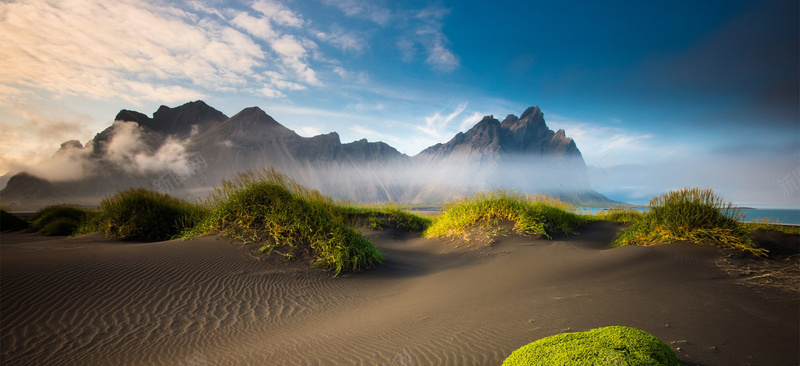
[{"x": 615, "y": 345}]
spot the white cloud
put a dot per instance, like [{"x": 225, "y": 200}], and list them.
[
  {"x": 105, "y": 50},
  {"x": 470, "y": 121},
  {"x": 291, "y": 50},
  {"x": 278, "y": 13},
  {"x": 271, "y": 93},
  {"x": 343, "y": 40},
  {"x": 280, "y": 82},
  {"x": 611, "y": 145},
  {"x": 308, "y": 131},
  {"x": 363, "y": 9},
  {"x": 436, "y": 124},
  {"x": 408, "y": 49},
  {"x": 427, "y": 30},
  {"x": 30, "y": 145},
  {"x": 357, "y": 77},
  {"x": 370, "y": 134}
]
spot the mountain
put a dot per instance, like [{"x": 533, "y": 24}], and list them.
[
  {"x": 188, "y": 149},
  {"x": 520, "y": 153}
]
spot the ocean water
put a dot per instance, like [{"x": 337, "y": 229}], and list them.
[{"x": 782, "y": 216}]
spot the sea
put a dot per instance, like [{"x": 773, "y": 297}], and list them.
[{"x": 773, "y": 215}]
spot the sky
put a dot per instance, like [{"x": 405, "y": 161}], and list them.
[{"x": 657, "y": 95}]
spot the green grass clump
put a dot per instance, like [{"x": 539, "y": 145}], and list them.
[
  {"x": 142, "y": 214},
  {"x": 11, "y": 222},
  {"x": 624, "y": 215},
  {"x": 271, "y": 210},
  {"x": 691, "y": 214},
  {"x": 387, "y": 215},
  {"x": 768, "y": 225},
  {"x": 615, "y": 345},
  {"x": 58, "y": 220},
  {"x": 531, "y": 215}
]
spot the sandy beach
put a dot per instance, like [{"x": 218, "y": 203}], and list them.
[{"x": 208, "y": 301}]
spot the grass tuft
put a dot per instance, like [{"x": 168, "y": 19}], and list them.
[
  {"x": 11, "y": 222},
  {"x": 379, "y": 216},
  {"x": 142, "y": 214},
  {"x": 615, "y": 345},
  {"x": 623, "y": 215},
  {"x": 58, "y": 220},
  {"x": 691, "y": 214},
  {"x": 531, "y": 215},
  {"x": 269, "y": 209},
  {"x": 772, "y": 225}
]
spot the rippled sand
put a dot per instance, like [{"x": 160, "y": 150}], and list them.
[{"x": 90, "y": 301}]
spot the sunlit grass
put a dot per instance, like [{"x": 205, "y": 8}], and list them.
[
  {"x": 531, "y": 214},
  {"x": 691, "y": 214},
  {"x": 624, "y": 215},
  {"x": 271, "y": 210},
  {"x": 772, "y": 225}
]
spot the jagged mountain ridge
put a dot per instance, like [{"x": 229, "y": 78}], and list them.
[{"x": 205, "y": 146}]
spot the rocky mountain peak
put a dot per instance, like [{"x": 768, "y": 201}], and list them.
[
  {"x": 533, "y": 112},
  {"x": 182, "y": 121}
]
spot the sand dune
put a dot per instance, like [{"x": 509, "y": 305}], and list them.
[{"x": 90, "y": 301}]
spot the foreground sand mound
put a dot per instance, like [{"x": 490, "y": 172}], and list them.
[{"x": 91, "y": 301}]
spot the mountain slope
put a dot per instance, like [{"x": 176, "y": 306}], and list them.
[{"x": 187, "y": 149}]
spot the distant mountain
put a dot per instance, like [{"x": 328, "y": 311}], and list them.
[
  {"x": 187, "y": 149},
  {"x": 519, "y": 153}
]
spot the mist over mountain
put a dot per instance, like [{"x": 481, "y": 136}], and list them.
[{"x": 188, "y": 149}]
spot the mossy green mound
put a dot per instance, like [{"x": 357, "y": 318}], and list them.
[
  {"x": 691, "y": 214},
  {"x": 271, "y": 210},
  {"x": 142, "y": 214},
  {"x": 531, "y": 215},
  {"x": 58, "y": 220},
  {"x": 615, "y": 345},
  {"x": 10, "y": 222}
]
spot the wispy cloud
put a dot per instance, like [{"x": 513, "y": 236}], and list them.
[
  {"x": 436, "y": 124},
  {"x": 611, "y": 145},
  {"x": 347, "y": 41},
  {"x": 470, "y": 121},
  {"x": 421, "y": 31},
  {"x": 362, "y": 9},
  {"x": 30, "y": 144},
  {"x": 429, "y": 33}
]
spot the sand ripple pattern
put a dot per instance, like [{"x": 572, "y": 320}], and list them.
[
  {"x": 210, "y": 302},
  {"x": 143, "y": 303}
]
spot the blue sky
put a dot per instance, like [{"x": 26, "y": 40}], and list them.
[{"x": 657, "y": 95}]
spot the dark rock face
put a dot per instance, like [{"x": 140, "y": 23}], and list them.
[
  {"x": 187, "y": 149},
  {"x": 183, "y": 121},
  {"x": 24, "y": 187},
  {"x": 527, "y": 135},
  {"x": 520, "y": 153}
]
